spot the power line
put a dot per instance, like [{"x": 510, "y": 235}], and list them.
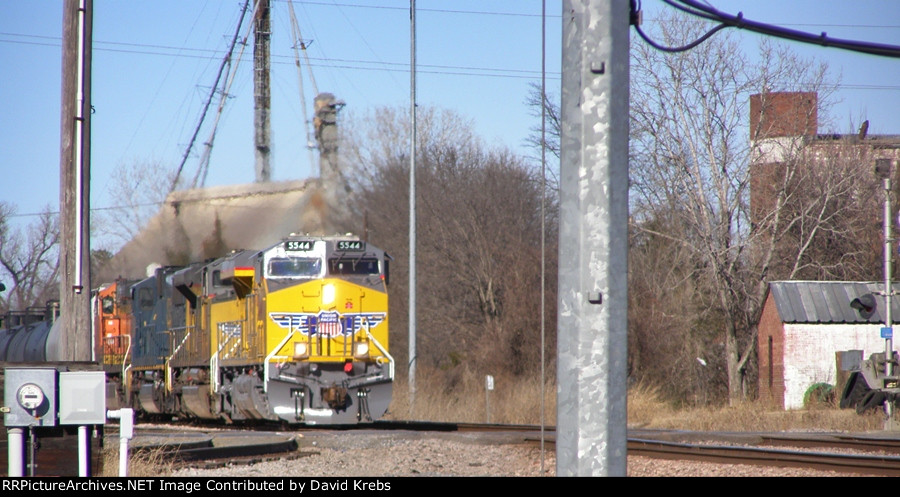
[
  {"x": 93, "y": 209},
  {"x": 357, "y": 64},
  {"x": 706, "y": 11},
  {"x": 204, "y": 200},
  {"x": 226, "y": 63},
  {"x": 441, "y": 11}
]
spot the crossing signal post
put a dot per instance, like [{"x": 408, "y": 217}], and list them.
[
  {"x": 883, "y": 170},
  {"x": 878, "y": 370}
]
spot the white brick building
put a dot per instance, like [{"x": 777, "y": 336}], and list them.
[{"x": 804, "y": 325}]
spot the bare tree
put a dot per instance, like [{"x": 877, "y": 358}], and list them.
[
  {"x": 535, "y": 100},
  {"x": 672, "y": 336},
  {"x": 379, "y": 138},
  {"x": 692, "y": 158},
  {"x": 701, "y": 249},
  {"x": 29, "y": 261},
  {"x": 136, "y": 190},
  {"x": 478, "y": 240},
  {"x": 828, "y": 224}
]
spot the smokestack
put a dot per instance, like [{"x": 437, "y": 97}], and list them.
[{"x": 325, "y": 122}]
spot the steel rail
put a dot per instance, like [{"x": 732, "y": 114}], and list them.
[
  {"x": 699, "y": 449},
  {"x": 890, "y": 446},
  {"x": 720, "y": 454}
]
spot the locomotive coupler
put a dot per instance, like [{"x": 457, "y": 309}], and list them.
[{"x": 335, "y": 397}]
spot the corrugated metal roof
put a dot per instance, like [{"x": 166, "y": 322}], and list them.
[{"x": 829, "y": 301}]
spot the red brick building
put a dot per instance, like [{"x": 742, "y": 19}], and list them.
[{"x": 804, "y": 325}]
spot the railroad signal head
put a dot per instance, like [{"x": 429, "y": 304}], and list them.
[
  {"x": 865, "y": 305},
  {"x": 883, "y": 168}
]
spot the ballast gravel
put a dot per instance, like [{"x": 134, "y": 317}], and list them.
[{"x": 389, "y": 455}]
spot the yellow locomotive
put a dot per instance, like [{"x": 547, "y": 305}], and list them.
[{"x": 296, "y": 332}]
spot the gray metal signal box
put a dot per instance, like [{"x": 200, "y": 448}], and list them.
[
  {"x": 30, "y": 395},
  {"x": 82, "y": 398}
]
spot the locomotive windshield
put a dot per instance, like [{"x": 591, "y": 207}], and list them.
[
  {"x": 294, "y": 267},
  {"x": 363, "y": 266}
]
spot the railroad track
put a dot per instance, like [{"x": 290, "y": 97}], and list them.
[
  {"x": 217, "y": 448},
  {"x": 867, "y": 464},
  {"x": 748, "y": 448},
  {"x": 729, "y": 448},
  {"x": 869, "y": 444}
]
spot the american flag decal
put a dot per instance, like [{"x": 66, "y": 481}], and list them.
[{"x": 327, "y": 323}]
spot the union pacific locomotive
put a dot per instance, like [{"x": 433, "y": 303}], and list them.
[{"x": 297, "y": 332}]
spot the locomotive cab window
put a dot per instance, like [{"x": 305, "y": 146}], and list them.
[
  {"x": 294, "y": 267},
  {"x": 145, "y": 297},
  {"x": 108, "y": 305},
  {"x": 363, "y": 266}
]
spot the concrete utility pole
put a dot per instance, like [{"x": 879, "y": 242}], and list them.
[
  {"x": 75, "y": 178},
  {"x": 593, "y": 240},
  {"x": 262, "y": 129}
]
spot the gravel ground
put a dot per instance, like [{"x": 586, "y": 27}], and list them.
[{"x": 387, "y": 455}]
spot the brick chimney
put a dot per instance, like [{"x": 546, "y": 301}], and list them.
[
  {"x": 779, "y": 124},
  {"x": 779, "y": 114}
]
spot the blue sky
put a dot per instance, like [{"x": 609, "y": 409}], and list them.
[{"x": 154, "y": 61}]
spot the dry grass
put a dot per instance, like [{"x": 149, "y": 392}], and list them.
[
  {"x": 462, "y": 398},
  {"x": 141, "y": 464},
  {"x": 518, "y": 402},
  {"x": 648, "y": 409}
]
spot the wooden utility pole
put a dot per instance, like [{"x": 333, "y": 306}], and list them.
[
  {"x": 262, "y": 27},
  {"x": 75, "y": 178}
]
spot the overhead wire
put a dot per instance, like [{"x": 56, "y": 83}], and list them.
[
  {"x": 822, "y": 39},
  {"x": 150, "y": 103},
  {"x": 367, "y": 45},
  {"x": 357, "y": 64},
  {"x": 226, "y": 61},
  {"x": 683, "y": 48},
  {"x": 710, "y": 13},
  {"x": 298, "y": 41},
  {"x": 441, "y": 11},
  {"x": 322, "y": 62},
  {"x": 203, "y": 167}
]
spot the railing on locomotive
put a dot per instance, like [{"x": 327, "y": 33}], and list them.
[{"x": 115, "y": 347}]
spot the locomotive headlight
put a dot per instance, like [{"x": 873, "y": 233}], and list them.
[
  {"x": 301, "y": 350},
  {"x": 327, "y": 294},
  {"x": 360, "y": 349}
]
